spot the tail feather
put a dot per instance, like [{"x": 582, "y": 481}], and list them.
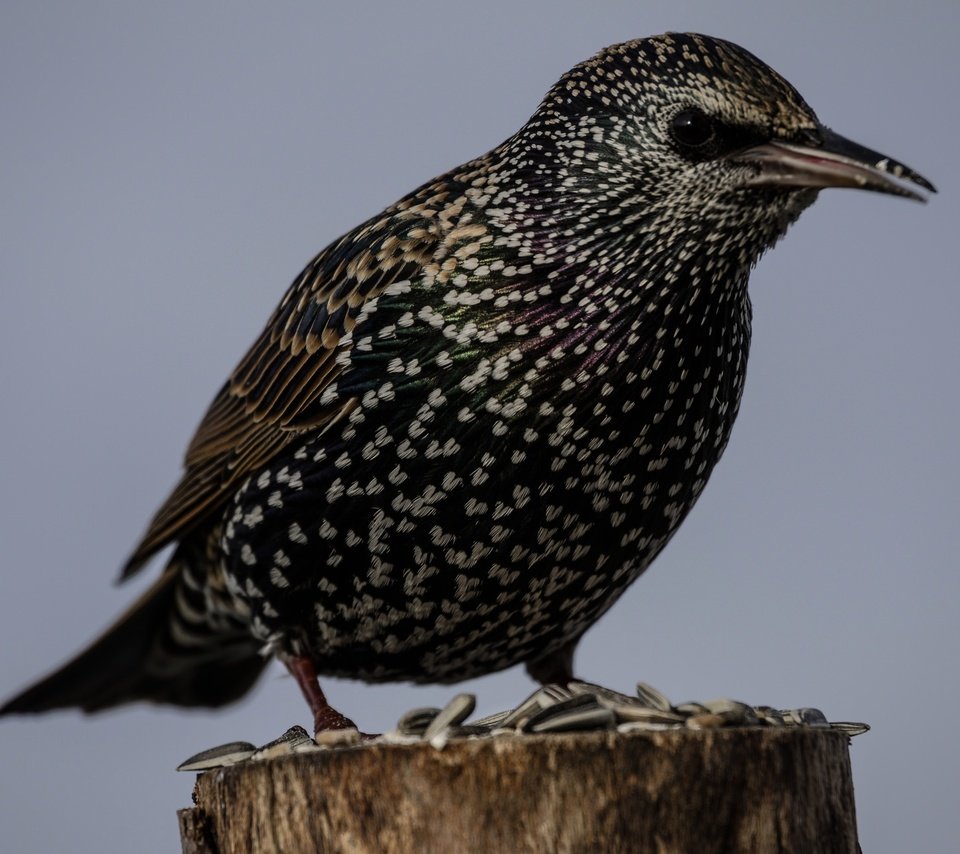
[{"x": 137, "y": 658}]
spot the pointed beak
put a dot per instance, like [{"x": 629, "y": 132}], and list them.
[{"x": 834, "y": 162}]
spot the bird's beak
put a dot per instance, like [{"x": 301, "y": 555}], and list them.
[{"x": 835, "y": 162}]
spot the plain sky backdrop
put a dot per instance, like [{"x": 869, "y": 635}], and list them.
[{"x": 166, "y": 169}]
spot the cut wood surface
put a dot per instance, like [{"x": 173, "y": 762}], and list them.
[{"x": 725, "y": 790}]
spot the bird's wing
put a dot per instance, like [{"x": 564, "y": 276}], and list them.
[{"x": 276, "y": 391}]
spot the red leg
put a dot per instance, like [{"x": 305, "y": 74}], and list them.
[{"x": 325, "y": 717}]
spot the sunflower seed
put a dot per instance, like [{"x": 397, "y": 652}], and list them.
[
  {"x": 688, "y": 709},
  {"x": 218, "y": 757},
  {"x": 769, "y": 716},
  {"x": 491, "y": 722},
  {"x": 733, "y": 711},
  {"x": 283, "y": 745},
  {"x": 542, "y": 698},
  {"x": 577, "y": 713},
  {"x": 452, "y": 714},
  {"x": 647, "y": 707},
  {"x": 633, "y": 713},
  {"x": 588, "y": 689},
  {"x": 416, "y": 721},
  {"x": 804, "y": 717},
  {"x": 851, "y": 728},
  {"x": 652, "y": 697},
  {"x": 625, "y": 707}
]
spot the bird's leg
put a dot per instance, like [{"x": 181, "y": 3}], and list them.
[
  {"x": 555, "y": 667},
  {"x": 325, "y": 717}
]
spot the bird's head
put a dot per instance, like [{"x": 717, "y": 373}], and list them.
[{"x": 687, "y": 132}]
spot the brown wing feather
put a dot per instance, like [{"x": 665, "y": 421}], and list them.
[{"x": 275, "y": 392}]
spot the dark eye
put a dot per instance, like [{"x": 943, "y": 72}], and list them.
[{"x": 692, "y": 128}]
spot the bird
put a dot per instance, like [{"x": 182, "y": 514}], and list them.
[{"x": 476, "y": 418}]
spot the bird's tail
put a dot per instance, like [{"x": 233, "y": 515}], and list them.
[{"x": 160, "y": 650}]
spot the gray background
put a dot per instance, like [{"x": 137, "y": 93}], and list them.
[{"x": 167, "y": 168}]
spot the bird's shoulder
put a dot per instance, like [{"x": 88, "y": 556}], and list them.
[{"x": 276, "y": 392}]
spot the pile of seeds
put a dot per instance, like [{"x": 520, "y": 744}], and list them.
[
  {"x": 583, "y": 706},
  {"x": 577, "y": 707}
]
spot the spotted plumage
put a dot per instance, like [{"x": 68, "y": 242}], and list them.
[{"x": 476, "y": 418}]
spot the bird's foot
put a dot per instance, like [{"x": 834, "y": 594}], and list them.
[
  {"x": 329, "y": 725},
  {"x": 327, "y": 721}
]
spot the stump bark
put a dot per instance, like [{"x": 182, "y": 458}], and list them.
[{"x": 725, "y": 790}]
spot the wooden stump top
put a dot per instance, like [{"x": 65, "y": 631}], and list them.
[{"x": 726, "y": 790}]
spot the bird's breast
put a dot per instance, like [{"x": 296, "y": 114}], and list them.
[{"x": 471, "y": 512}]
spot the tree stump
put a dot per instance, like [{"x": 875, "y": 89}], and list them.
[{"x": 725, "y": 790}]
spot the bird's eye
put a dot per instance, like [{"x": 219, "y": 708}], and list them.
[{"x": 692, "y": 128}]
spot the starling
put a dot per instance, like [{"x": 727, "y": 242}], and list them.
[{"x": 477, "y": 417}]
